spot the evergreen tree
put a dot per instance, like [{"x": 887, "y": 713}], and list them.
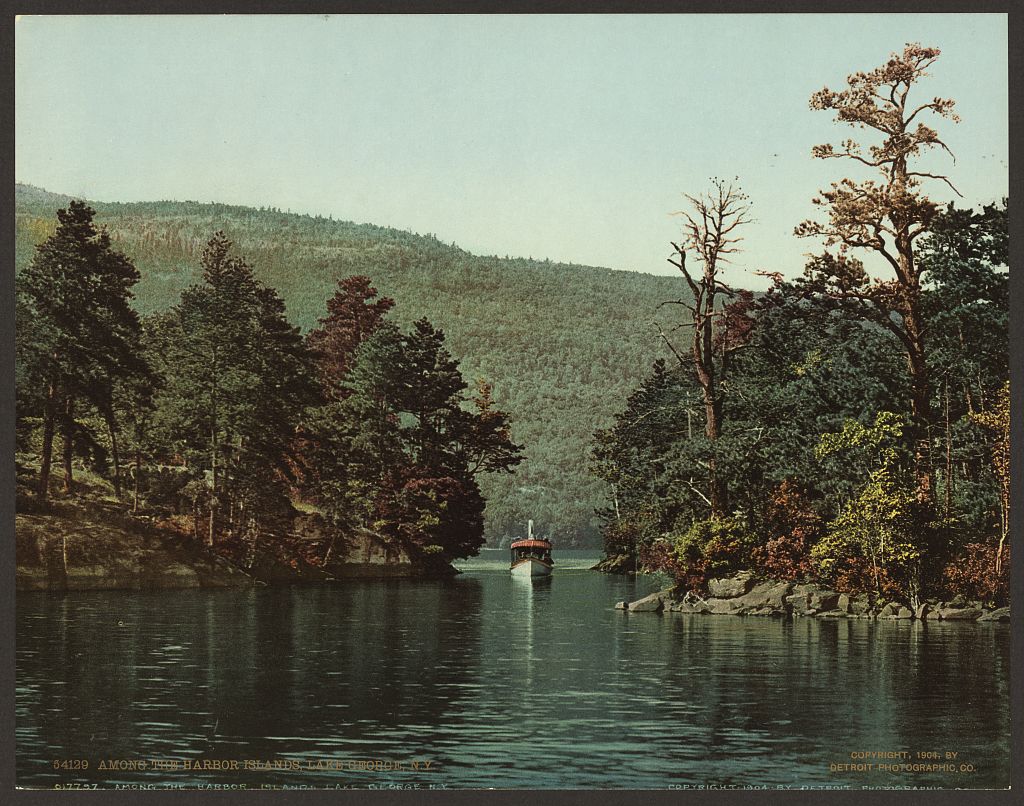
[
  {"x": 397, "y": 450},
  {"x": 238, "y": 379},
  {"x": 77, "y": 292},
  {"x": 353, "y": 314},
  {"x": 885, "y": 215}
]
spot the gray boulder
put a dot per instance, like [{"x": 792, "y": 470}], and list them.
[
  {"x": 956, "y": 602},
  {"x": 725, "y": 607},
  {"x": 766, "y": 594},
  {"x": 843, "y": 603},
  {"x": 654, "y": 603},
  {"x": 766, "y": 611},
  {"x": 798, "y": 603},
  {"x": 686, "y": 607},
  {"x": 824, "y": 599},
  {"x": 621, "y": 605},
  {"x": 831, "y": 614},
  {"x": 961, "y": 613},
  {"x": 999, "y": 614},
  {"x": 887, "y": 611},
  {"x": 903, "y": 612},
  {"x": 860, "y": 605},
  {"x": 731, "y": 587}
]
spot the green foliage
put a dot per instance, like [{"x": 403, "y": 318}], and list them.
[
  {"x": 878, "y": 441},
  {"x": 714, "y": 547},
  {"x": 561, "y": 344},
  {"x": 880, "y": 525},
  {"x": 398, "y": 448},
  {"x": 965, "y": 259},
  {"x": 237, "y": 379},
  {"x": 77, "y": 334}
]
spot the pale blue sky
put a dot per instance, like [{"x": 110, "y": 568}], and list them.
[{"x": 568, "y": 137}]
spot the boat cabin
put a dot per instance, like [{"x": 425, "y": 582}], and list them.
[
  {"x": 535, "y": 549},
  {"x": 531, "y": 556}
]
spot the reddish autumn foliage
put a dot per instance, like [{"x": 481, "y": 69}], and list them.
[
  {"x": 353, "y": 314},
  {"x": 737, "y": 322},
  {"x": 856, "y": 575},
  {"x": 660, "y": 556},
  {"x": 973, "y": 573},
  {"x": 425, "y": 512},
  {"x": 793, "y": 526}
]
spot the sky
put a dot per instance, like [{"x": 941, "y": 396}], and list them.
[{"x": 569, "y": 137}]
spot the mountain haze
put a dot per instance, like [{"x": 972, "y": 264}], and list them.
[{"x": 563, "y": 344}]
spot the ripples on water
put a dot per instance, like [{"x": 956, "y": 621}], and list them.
[{"x": 498, "y": 682}]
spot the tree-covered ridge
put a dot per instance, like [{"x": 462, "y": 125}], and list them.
[{"x": 561, "y": 344}]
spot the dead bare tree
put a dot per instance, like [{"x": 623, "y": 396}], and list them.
[{"x": 710, "y": 234}]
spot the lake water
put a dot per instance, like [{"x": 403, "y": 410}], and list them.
[{"x": 496, "y": 682}]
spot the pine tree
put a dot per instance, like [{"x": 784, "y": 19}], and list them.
[
  {"x": 238, "y": 380},
  {"x": 78, "y": 292}
]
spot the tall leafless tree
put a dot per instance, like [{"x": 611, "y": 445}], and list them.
[{"x": 710, "y": 234}]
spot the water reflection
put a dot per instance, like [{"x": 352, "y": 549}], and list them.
[{"x": 501, "y": 682}]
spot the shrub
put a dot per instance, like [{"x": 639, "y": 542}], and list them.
[
  {"x": 793, "y": 526},
  {"x": 875, "y": 531},
  {"x": 713, "y": 548},
  {"x": 973, "y": 573},
  {"x": 635, "y": 533},
  {"x": 660, "y": 556}
]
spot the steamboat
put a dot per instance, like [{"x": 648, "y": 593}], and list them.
[{"x": 531, "y": 556}]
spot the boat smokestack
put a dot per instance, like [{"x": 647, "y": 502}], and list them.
[{"x": 529, "y": 528}]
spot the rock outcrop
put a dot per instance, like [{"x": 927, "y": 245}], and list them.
[
  {"x": 729, "y": 587},
  {"x": 999, "y": 614},
  {"x": 744, "y": 595},
  {"x": 95, "y": 545},
  {"x": 654, "y": 603}
]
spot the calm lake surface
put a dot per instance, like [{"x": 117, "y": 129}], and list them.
[{"x": 497, "y": 682}]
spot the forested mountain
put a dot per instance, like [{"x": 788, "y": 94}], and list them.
[{"x": 562, "y": 344}]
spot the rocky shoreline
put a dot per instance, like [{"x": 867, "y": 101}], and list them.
[
  {"x": 745, "y": 595},
  {"x": 87, "y": 545}
]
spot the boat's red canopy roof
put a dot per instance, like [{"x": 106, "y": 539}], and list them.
[{"x": 531, "y": 544}]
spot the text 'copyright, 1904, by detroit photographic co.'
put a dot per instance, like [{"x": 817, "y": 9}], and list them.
[
  {"x": 885, "y": 769},
  {"x": 947, "y": 762}
]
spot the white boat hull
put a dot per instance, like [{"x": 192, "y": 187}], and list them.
[{"x": 531, "y": 568}]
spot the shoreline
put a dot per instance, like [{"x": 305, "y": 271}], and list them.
[
  {"x": 745, "y": 595},
  {"x": 90, "y": 546}
]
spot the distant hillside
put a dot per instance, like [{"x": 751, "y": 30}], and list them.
[{"x": 563, "y": 344}]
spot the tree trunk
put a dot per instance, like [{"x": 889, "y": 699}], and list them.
[
  {"x": 704, "y": 361},
  {"x": 717, "y": 493},
  {"x": 49, "y": 415},
  {"x": 213, "y": 486},
  {"x": 920, "y": 401},
  {"x": 909, "y": 307},
  {"x": 114, "y": 454},
  {"x": 138, "y": 472},
  {"x": 949, "y": 458},
  {"x": 68, "y": 434}
]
